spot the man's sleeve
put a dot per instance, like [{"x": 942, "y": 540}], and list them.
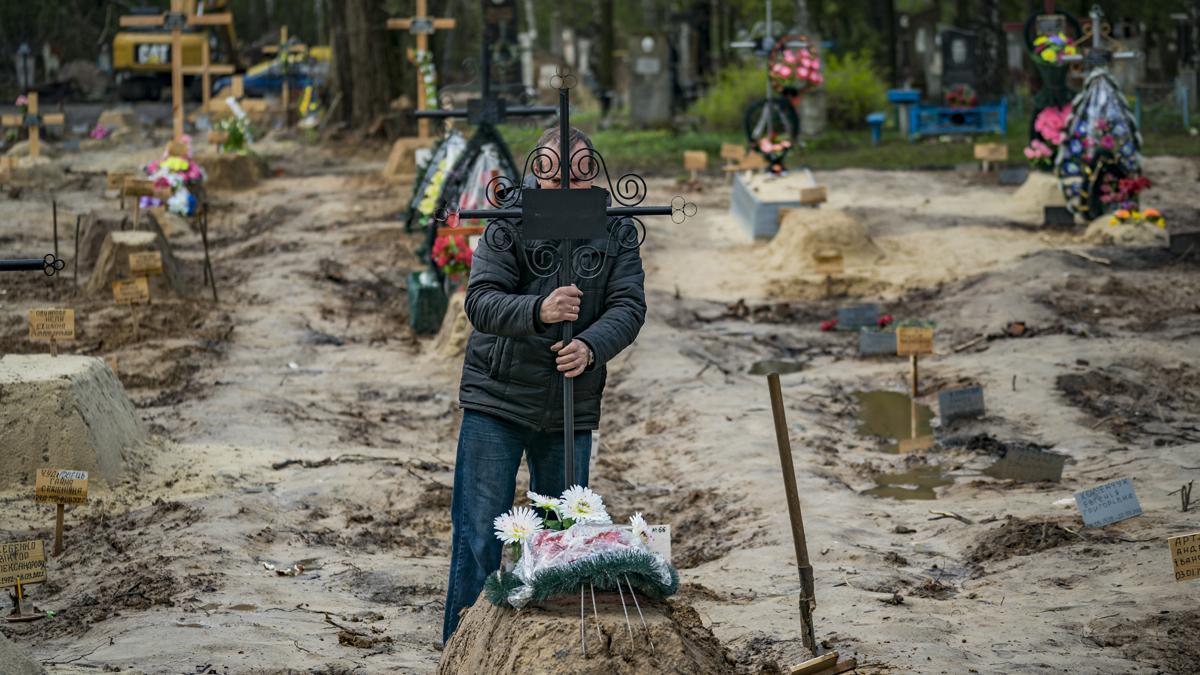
[
  {"x": 624, "y": 309},
  {"x": 493, "y": 306}
]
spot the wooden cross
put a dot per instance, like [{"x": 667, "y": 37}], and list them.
[
  {"x": 34, "y": 122},
  {"x": 422, "y": 26},
  {"x": 287, "y": 48},
  {"x": 175, "y": 21},
  {"x": 206, "y": 70}
]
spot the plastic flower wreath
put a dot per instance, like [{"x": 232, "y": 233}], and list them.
[
  {"x": 1134, "y": 217},
  {"x": 1052, "y": 48},
  {"x": 795, "y": 70},
  {"x": 452, "y": 255},
  {"x": 1050, "y": 124},
  {"x": 961, "y": 96},
  {"x": 173, "y": 175},
  {"x": 576, "y": 544}
]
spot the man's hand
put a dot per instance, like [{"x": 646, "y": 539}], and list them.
[
  {"x": 573, "y": 358},
  {"x": 561, "y": 305}
]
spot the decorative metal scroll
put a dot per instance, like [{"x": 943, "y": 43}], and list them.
[{"x": 50, "y": 265}]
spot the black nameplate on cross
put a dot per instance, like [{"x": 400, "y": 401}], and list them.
[{"x": 556, "y": 230}]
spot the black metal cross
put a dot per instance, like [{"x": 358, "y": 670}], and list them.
[
  {"x": 548, "y": 223},
  {"x": 51, "y": 264}
]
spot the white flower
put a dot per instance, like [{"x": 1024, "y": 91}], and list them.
[
  {"x": 544, "y": 502},
  {"x": 517, "y": 525},
  {"x": 582, "y": 505},
  {"x": 640, "y": 529}
]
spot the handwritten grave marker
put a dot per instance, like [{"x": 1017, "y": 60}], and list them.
[
  {"x": 857, "y": 317},
  {"x": 1108, "y": 503},
  {"x": 876, "y": 343},
  {"x": 1185, "y": 556},
  {"x": 991, "y": 152},
  {"x": 1029, "y": 466},
  {"x": 145, "y": 263},
  {"x": 914, "y": 341},
  {"x": 51, "y": 325},
  {"x": 59, "y": 487},
  {"x": 694, "y": 161},
  {"x": 660, "y": 540},
  {"x": 957, "y": 404},
  {"x": 132, "y": 292},
  {"x": 22, "y": 563}
]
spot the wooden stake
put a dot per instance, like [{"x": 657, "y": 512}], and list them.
[
  {"x": 20, "y": 597},
  {"x": 53, "y": 347},
  {"x": 75, "y": 262},
  {"x": 35, "y": 133},
  {"x": 913, "y": 363},
  {"x": 177, "y": 73},
  {"x": 807, "y": 595},
  {"x": 58, "y": 525}
]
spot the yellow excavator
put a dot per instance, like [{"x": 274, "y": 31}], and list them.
[{"x": 142, "y": 69}]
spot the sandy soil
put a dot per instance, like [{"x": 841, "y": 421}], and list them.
[{"x": 300, "y": 421}]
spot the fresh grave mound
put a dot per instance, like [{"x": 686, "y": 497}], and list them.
[
  {"x": 1018, "y": 537},
  {"x": 231, "y": 170},
  {"x": 1029, "y": 202},
  {"x": 112, "y": 263},
  {"x": 16, "y": 661},
  {"x": 1165, "y": 640},
  {"x": 805, "y": 232},
  {"x": 67, "y": 412},
  {"x": 1102, "y": 232},
  {"x": 546, "y": 639},
  {"x": 94, "y": 229},
  {"x": 451, "y": 340}
]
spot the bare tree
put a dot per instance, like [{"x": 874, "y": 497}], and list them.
[{"x": 361, "y": 79}]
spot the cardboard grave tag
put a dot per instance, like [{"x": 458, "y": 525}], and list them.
[
  {"x": 992, "y": 152},
  {"x": 660, "y": 540},
  {"x": 817, "y": 194},
  {"x": 1108, "y": 503},
  {"x": 911, "y": 340},
  {"x": 1029, "y": 466},
  {"x": 695, "y": 160},
  {"x": 918, "y": 444},
  {"x": 138, "y": 187},
  {"x": 55, "y": 486},
  {"x": 51, "y": 324},
  {"x": 145, "y": 263},
  {"x": 116, "y": 179},
  {"x": 1185, "y": 556},
  {"x": 830, "y": 262},
  {"x": 24, "y": 560},
  {"x": 876, "y": 343},
  {"x": 732, "y": 152},
  {"x": 858, "y": 317},
  {"x": 957, "y": 404},
  {"x": 131, "y": 291}
]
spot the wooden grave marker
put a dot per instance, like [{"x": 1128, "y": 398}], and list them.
[
  {"x": 813, "y": 195},
  {"x": 132, "y": 292},
  {"x": 51, "y": 325},
  {"x": 1108, "y": 503},
  {"x": 987, "y": 153},
  {"x": 287, "y": 47},
  {"x": 59, "y": 487},
  {"x": 22, "y": 563},
  {"x": 176, "y": 20},
  {"x": 1185, "y": 556},
  {"x": 695, "y": 161},
  {"x": 137, "y": 188},
  {"x": 422, "y": 26},
  {"x": 145, "y": 263},
  {"x": 913, "y": 342},
  {"x": 34, "y": 120}
]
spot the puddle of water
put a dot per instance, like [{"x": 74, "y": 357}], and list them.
[
  {"x": 780, "y": 366},
  {"x": 916, "y": 483},
  {"x": 894, "y": 416}
]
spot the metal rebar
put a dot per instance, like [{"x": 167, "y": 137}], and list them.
[
  {"x": 638, "y": 605},
  {"x": 626, "y": 609},
  {"x": 582, "y": 631},
  {"x": 595, "y": 612}
]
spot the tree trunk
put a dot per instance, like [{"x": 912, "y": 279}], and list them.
[
  {"x": 992, "y": 48},
  {"x": 803, "y": 21},
  {"x": 605, "y": 69},
  {"x": 360, "y": 74}
]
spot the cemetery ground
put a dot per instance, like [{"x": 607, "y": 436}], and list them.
[{"x": 291, "y": 510}]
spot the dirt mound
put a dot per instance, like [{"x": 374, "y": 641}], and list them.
[
  {"x": 94, "y": 229},
  {"x": 1018, "y": 537},
  {"x": 451, "y": 340},
  {"x": 546, "y": 640},
  {"x": 1137, "y": 398},
  {"x": 1029, "y": 202},
  {"x": 1141, "y": 301},
  {"x": 805, "y": 232},
  {"x": 1166, "y": 640},
  {"x": 68, "y": 412},
  {"x": 230, "y": 171},
  {"x": 112, "y": 263},
  {"x": 1103, "y": 233},
  {"x": 88, "y": 78},
  {"x": 16, "y": 661},
  {"x": 120, "y": 120}
]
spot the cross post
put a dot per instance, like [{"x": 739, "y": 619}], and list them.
[
  {"x": 287, "y": 46},
  {"x": 176, "y": 20},
  {"x": 422, "y": 26},
  {"x": 34, "y": 121},
  {"x": 556, "y": 232}
]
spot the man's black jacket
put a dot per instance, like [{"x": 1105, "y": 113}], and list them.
[{"x": 509, "y": 369}]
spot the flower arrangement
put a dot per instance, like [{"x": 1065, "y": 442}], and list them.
[
  {"x": 99, "y": 132},
  {"x": 961, "y": 96},
  {"x": 173, "y": 174},
  {"x": 1052, "y": 48},
  {"x": 795, "y": 70},
  {"x": 1050, "y": 124},
  {"x": 428, "y": 77},
  {"x": 1135, "y": 217},
  {"x": 576, "y": 543},
  {"x": 238, "y": 134},
  {"x": 452, "y": 255},
  {"x": 1122, "y": 192}
]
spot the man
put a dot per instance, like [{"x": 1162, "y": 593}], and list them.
[{"x": 511, "y": 392}]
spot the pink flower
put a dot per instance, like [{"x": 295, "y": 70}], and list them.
[
  {"x": 1106, "y": 142},
  {"x": 22, "y": 100},
  {"x": 818, "y": 78},
  {"x": 789, "y": 57},
  {"x": 802, "y": 72},
  {"x": 784, "y": 71},
  {"x": 828, "y": 325}
]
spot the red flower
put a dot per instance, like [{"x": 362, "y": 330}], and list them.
[
  {"x": 885, "y": 320},
  {"x": 828, "y": 325}
]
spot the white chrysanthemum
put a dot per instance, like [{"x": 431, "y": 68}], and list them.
[
  {"x": 517, "y": 525},
  {"x": 638, "y": 524},
  {"x": 582, "y": 505},
  {"x": 544, "y": 502}
]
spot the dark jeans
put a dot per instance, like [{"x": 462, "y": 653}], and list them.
[{"x": 485, "y": 477}]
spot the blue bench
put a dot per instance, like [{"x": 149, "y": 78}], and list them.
[{"x": 938, "y": 120}]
